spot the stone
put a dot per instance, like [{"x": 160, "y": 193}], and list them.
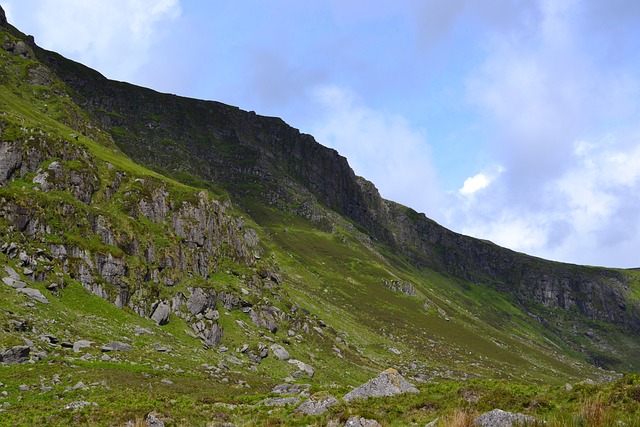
[
  {"x": 153, "y": 420},
  {"x": 160, "y": 313},
  {"x": 264, "y": 317},
  {"x": 280, "y": 352},
  {"x": 34, "y": 294},
  {"x": 80, "y": 345},
  {"x": 388, "y": 383},
  {"x": 318, "y": 404},
  {"x": 291, "y": 388},
  {"x": 302, "y": 366},
  {"x": 500, "y": 418},
  {"x": 11, "y": 272},
  {"x": 15, "y": 355},
  {"x": 23, "y": 387},
  {"x": 140, "y": 331},
  {"x": 79, "y": 405},
  {"x": 361, "y": 422},
  {"x": 280, "y": 401},
  {"x": 18, "y": 284},
  {"x": 116, "y": 346},
  {"x": 201, "y": 300}
]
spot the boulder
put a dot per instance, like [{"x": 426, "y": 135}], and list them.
[
  {"x": 280, "y": 401},
  {"x": 500, "y": 418},
  {"x": 14, "y": 355},
  {"x": 302, "y": 366},
  {"x": 154, "y": 421},
  {"x": 280, "y": 352},
  {"x": 318, "y": 404},
  {"x": 11, "y": 272},
  {"x": 160, "y": 313},
  {"x": 361, "y": 422},
  {"x": 80, "y": 345},
  {"x": 18, "y": 284},
  {"x": 264, "y": 317},
  {"x": 388, "y": 383},
  {"x": 116, "y": 346},
  {"x": 34, "y": 294}
]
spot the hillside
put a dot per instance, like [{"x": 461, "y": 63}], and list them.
[{"x": 163, "y": 254}]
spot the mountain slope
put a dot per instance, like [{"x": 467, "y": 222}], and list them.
[{"x": 234, "y": 229}]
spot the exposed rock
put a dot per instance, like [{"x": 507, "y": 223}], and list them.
[
  {"x": 34, "y": 294},
  {"x": 3, "y": 18},
  {"x": 318, "y": 404},
  {"x": 500, "y": 418},
  {"x": 116, "y": 346},
  {"x": 11, "y": 272},
  {"x": 361, "y": 422},
  {"x": 14, "y": 283},
  {"x": 264, "y": 317},
  {"x": 78, "y": 345},
  {"x": 280, "y": 352},
  {"x": 280, "y": 401},
  {"x": 291, "y": 388},
  {"x": 79, "y": 405},
  {"x": 160, "y": 313},
  {"x": 302, "y": 366},
  {"x": 14, "y": 355},
  {"x": 201, "y": 300},
  {"x": 388, "y": 383}
]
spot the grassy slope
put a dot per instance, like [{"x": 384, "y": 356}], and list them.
[{"x": 452, "y": 329}]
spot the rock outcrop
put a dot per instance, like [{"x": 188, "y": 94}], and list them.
[
  {"x": 500, "y": 418},
  {"x": 388, "y": 383}
]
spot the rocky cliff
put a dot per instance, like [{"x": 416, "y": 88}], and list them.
[{"x": 263, "y": 157}]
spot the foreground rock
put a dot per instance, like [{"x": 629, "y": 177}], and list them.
[
  {"x": 500, "y": 418},
  {"x": 361, "y": 422},
  {"x": 318, "y": 404},
  {"x": 388, "y": 383},
  {"x": 14, "y": 355}
]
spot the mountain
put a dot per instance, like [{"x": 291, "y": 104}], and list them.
[{"x": 168, "y": 254}]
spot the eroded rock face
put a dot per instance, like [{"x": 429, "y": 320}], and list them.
[
  {"x": 10, "y": 160},
  {"x": 388, "y": 383},
  {"x": 17, "y": 354}
]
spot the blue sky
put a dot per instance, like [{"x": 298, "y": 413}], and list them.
[{"x": 514, "y": 121}]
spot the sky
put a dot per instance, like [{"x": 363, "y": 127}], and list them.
[{"x": 516, "y": 121}]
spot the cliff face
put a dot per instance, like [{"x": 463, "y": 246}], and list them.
[{"x": 264, "y": 157}]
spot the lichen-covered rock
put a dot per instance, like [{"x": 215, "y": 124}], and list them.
[
  {"x": 356, "y": 421},
  {"x": 201, "y": 300},
  {"x": 10, "y": 159},
  {"x": 318, "y": 404},
  {"x": 388, "y": 383},
  {"x": 500, "y": 418}
]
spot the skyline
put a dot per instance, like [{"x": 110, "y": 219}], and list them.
[{"x": 515, "y": 121}]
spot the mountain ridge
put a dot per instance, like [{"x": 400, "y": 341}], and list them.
[{"x": 222, "y": 234}]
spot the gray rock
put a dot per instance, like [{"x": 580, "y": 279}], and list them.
[
  {"x": 23, "y": 387},
  {"x": 116, "y": 346},
  {"x": 80, "y": 345},
  {"x": 318, "y": 404},
  {"x": 264, "y": 317},
  {"x": 361, "y": 422},
  {"x": 14, "y": 283},
  {"x": 280, "y": 352},
  {"x": 154, "y": 421},
  {"x": 79, "y": 405},
  {"x": 302, "y": 366},
  {"x": 280, "y": 401},
  {"x": 34, "y": 294},
  {"x": 433, "y": 423},
  {"x": 10, "y": 159},
  {"x": 388, "y": 383},
  {"x": 291, "y": 388},
  {"x": 500, "y": 418},
  {"x": 160, "y": 313},
  {"x": 201, "y": 300},
  {"x": 11, "y": 272},
  {"x": 14, "y": 355}
]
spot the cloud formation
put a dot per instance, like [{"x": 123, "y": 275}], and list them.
[
  {"x": 382, "y": 147},
  {"x": 112, "y": 36},
  {"x": 564, "y": 129}
]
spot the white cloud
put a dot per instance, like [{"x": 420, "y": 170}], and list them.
[
  {"x": 112, "y": 36},
  {"x": 381, "y": 146}
]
